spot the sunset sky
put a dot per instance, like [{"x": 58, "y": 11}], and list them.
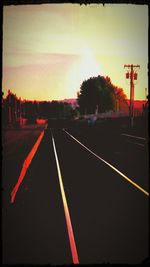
[{"x": 50, "y": 49}]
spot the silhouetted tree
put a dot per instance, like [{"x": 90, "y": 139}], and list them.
[
  {"x": 30, "y": 111},
  {"x": 98, "y": 93},
  {"x": 121, "y": 99}
]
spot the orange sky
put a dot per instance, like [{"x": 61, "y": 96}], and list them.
[{"x": 49, "y": 49}]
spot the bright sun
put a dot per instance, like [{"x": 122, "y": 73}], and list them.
[
  {"x": 88, "y": 65},
  {"x": 83, "y": 69}
]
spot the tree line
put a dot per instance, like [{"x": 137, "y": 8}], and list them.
[
  {"x": 14, "y": 110},
  {"x": 97, "y": 94}
]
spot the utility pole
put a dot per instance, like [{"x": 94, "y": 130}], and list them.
[
  {"x": 9, "y": 108},
  {"x": 132, "y": 75},
  {"x": 145, "y": 93}
]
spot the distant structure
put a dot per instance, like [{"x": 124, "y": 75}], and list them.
[
  {"x": 71, "y": 101},
  {"x": 138, "y": 107}
]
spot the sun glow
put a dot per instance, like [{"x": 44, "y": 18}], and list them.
[
  {"x": 49, "y": 50},
  {"x": 84, "y": 68},
  {"x": 88, "y": 67}
]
